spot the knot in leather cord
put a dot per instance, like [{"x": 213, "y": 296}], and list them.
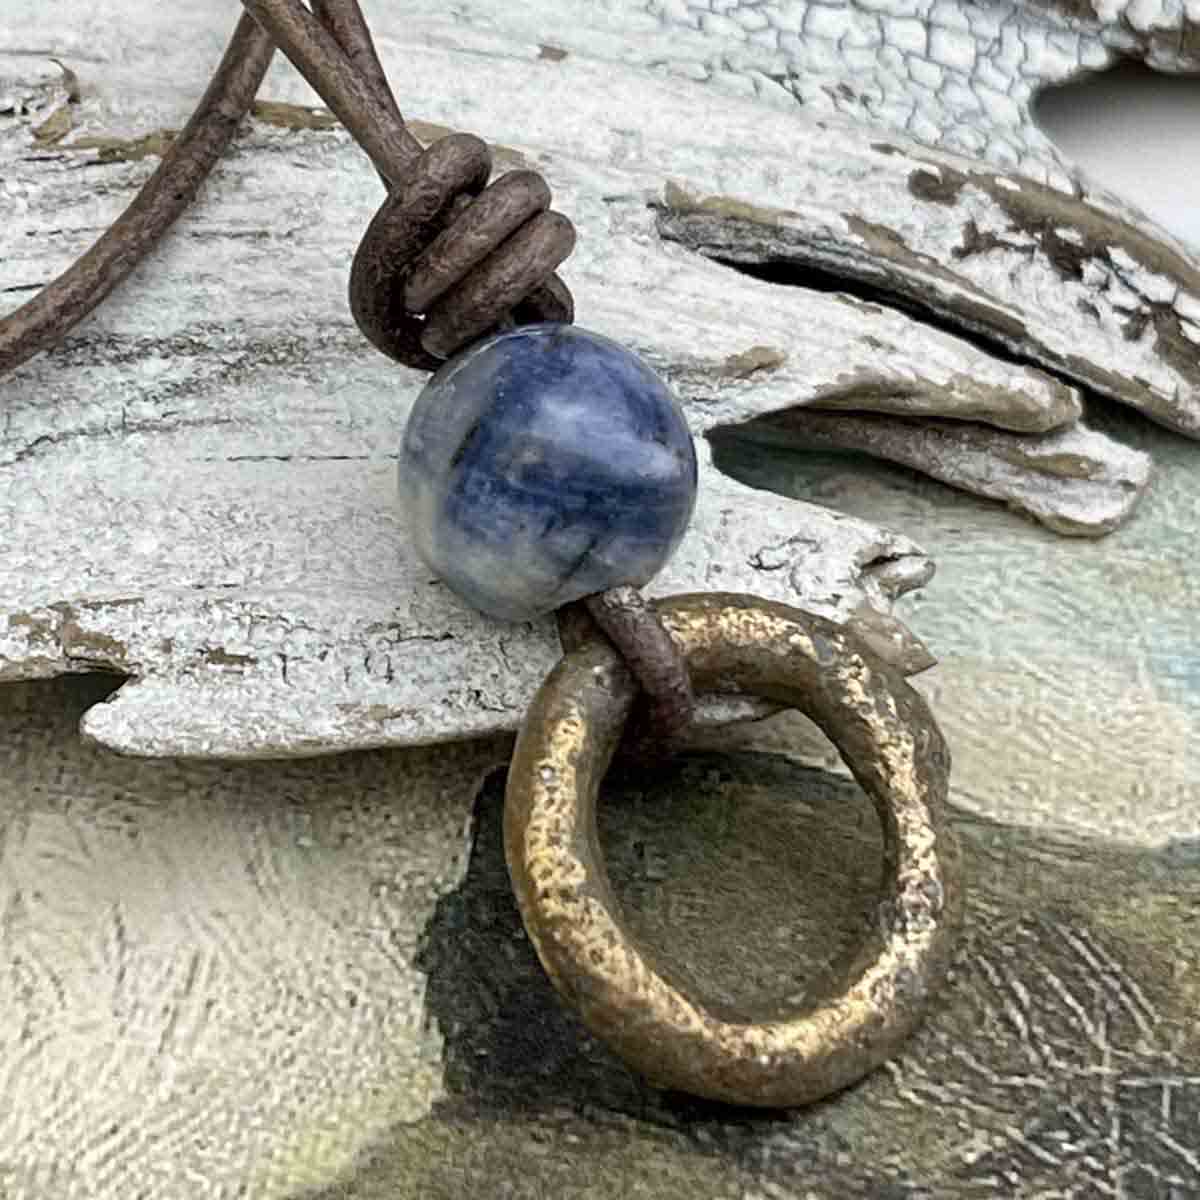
[{"x": 449, "y": 257}]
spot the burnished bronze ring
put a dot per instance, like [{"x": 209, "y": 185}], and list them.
[{"x": 887, "y": 737}]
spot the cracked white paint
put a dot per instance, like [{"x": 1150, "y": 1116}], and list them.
[
  {"x": 778, "y": 156},
  {"x": 946, "y": 237},
  {"x": 214, "y": 451},
  {"x": 960, "y": 77}
]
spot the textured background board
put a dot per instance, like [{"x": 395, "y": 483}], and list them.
[
  {"x": 268, "y": 977},
  {"x": 259, "y": 980}
]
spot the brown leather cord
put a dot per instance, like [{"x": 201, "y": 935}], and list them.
[
  {"x": 45, "y": 320},
  {"x": 462, "y": 295},
  {"x": 623, "y": 617},
  {"x": 350, "y": 31},
  {"x": 457, "y": 257},
  {"x": 655, "y": 661},
  {"x": 363, "y": 104},
  {"x": 509, "y": 269}
]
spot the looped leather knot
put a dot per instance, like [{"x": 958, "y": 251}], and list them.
[{"x": 448, "y": 257}]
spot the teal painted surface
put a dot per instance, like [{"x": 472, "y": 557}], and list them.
[{"x": 1069, "y": 670}]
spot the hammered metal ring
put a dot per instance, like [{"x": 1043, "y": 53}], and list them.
[{"x": 764, "y": 1054}]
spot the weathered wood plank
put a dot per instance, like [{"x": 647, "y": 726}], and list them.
[{"x": 199, "y": 485}]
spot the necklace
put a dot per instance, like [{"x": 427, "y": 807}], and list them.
[{"x": 549, "y": 469}]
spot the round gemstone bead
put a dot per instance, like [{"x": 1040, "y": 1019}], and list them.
[{"x": 543, "y": 464}]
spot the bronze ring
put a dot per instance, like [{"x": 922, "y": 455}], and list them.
[{"x": 888, "y": 738}]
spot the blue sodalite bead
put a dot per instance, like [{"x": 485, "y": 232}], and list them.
[{"x": 543, "y": 464}]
